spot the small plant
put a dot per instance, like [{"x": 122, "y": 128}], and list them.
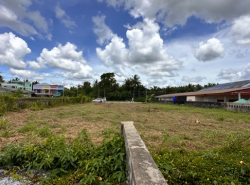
[
  {"x": 3, "y": 124},
  {"x": 6, "y": 133},
  {"x": 30, "y": 126},
  {"x": 220, "y": 118},
  {"x": 44, "y": 131}
]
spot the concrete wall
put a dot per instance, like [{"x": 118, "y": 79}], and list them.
[{"x": 142, "y": 169}]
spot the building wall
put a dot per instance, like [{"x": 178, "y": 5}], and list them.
[
  {"x": 47, "y": 89},
  {"x": 19, "y": 85},
  {"x": 221, "y": 98}
]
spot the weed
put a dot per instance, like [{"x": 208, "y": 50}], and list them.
[
  {"x": 78, "y": 162},
  {"x": 6, "y": 133},
  {"x": 63, "y": 129},
  {"x": 220, "y": 118},
  {"x": 3, "y": 124},
  {"x": 44, "y": 131},
  {"x": 30, "y": 126}
]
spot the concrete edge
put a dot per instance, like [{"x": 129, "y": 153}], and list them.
[{"x": 140, "y": 164}]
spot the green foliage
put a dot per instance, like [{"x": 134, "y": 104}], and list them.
[
  {"x": 227, "y": 165},
  {"x": 18, "y": 93},
  {"x": 140, "y": 99},
  {"x": 4, "y": 128},
  {"x": 44, "y": 131},
  {"x": 7, "y": 103},
  {"x": 3, "y": 124},
  {"x": 10, "y": 103},
  {"x": 77, "y": 162},
  {"x": 30, "y": 126}
]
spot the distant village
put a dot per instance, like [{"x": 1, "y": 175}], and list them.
[{"x": 132, "y": 88}]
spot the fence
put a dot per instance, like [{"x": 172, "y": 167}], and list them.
[{"x": 242, "y": 107}]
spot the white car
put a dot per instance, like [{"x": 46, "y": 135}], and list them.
[{"x": 98, "y": 100}]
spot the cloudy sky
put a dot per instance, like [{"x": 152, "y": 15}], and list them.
[{"x": 165, "y": 42}]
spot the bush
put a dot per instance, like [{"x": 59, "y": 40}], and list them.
[
  {"x": 227, "y": 165},
  {"x": 9, "y": 101},
  {"x": 140, "y": 99},
  {"x": 77, "y": 162}
]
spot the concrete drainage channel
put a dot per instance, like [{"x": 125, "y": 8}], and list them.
[{"x": 142, "y": 169}]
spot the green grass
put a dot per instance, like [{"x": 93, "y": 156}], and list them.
[{"x": 28, "y": 127}]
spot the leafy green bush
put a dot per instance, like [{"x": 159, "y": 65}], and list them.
[
  {"x": 3, "y": 107},
  {"x": 227, "y": 165},
  {"x": 77, "y": 162},
  {"x": 7, "y": 103},
  {"x": 140, "y": 99}
]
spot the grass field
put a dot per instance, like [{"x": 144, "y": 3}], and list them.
[
  {"x": 158, "y": 124},
  {"x": 214, "y": 151}
]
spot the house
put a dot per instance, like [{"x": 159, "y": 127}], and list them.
[
  {"x": 228, "y": 92},
  {"x": 27, "y": 86},
  {"x": 46, "y": 89}
]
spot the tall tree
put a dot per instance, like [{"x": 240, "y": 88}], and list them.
[
  {"x": 87, "y": 89},
  {"x": 108, "y": 85}
]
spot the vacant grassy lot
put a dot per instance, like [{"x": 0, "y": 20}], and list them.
[
  {"x": 158, "y": 124},
  {"x": 214, "y": 151}
]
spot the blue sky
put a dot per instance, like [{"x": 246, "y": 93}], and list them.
[{"x": 165, "y": 42}]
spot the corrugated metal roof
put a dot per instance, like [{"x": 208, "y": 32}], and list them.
[
  {"x": 245, "y": 83},
  {"x": 200, "y": 93}
]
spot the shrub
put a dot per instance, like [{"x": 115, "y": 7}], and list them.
[
  {"x": 77, "y": 162},
  {"x": 140, "y": 99},
  {"x": 226, "y": 165},
  {"x": 7, "y": 103}
]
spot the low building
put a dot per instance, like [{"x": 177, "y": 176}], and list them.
[
  {"x": 46, "y": 89},
  {"x": 27, "y": 86},
  {"x": 228, "y": 92}
]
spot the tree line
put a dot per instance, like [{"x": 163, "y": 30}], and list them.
[{"x": 132, "y": 88}]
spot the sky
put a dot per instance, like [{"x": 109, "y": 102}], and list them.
[{"x": 165, "y": 42}]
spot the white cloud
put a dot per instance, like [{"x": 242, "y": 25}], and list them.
[
  {"x": 193, "y": 80},
  {"x": 114, "y": 53},
  {"x": 35, "y": 65},
  {"x": 241, "y": 30},
  {"x": 246, "y": 72},
  {"x": 229, "y": 74},
  {"x": 210, "y": 50},
  {"x": 173, "y": 12},
  {"x": 12, "y": 51},
  {"x": 26, "y": 74},
  {"x": 15, "y": 15},
  {"x": 64, "y": 18},
  {"x": 103, "y": 32},
  {"x": 145, "y": 52},
  {"x": 65, "y": 58}
]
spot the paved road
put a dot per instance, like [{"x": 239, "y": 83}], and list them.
[{"x": 121, "y": 102}]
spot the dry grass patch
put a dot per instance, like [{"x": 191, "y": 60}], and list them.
[{"x": 158, "y": 124}]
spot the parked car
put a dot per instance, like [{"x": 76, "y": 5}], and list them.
[{"x": 98, "y": 100}]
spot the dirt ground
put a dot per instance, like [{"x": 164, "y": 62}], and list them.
[{"x": 158, "y": 124}]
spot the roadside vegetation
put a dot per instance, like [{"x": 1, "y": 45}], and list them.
[{"x": 214, "y": 151}]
